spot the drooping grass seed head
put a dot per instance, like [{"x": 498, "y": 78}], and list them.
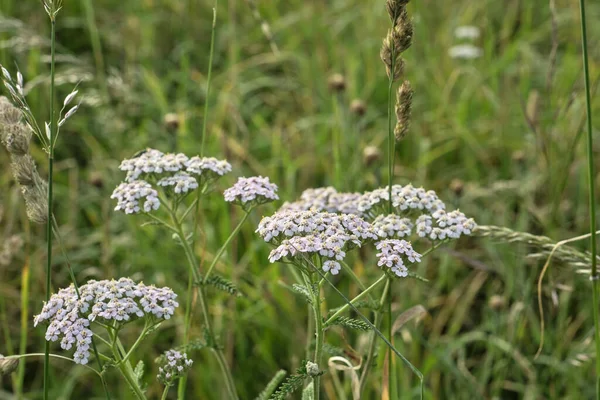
[
  {"x": 403, "y": 110},
  {"x": 9, "y": 114},
  {"x": 15, "y": 138},
  {"x": 35, "y": 200},
  {"x": 8, "y": 365}
]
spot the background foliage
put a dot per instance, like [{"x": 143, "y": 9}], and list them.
[{"x": 499, "y": 136}]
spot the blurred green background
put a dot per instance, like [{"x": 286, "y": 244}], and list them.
[{"x": 499, "y": 136}]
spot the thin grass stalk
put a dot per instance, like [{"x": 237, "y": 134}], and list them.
[
  {"x": 337, "y": 143},
  {"x": 592, "y": 196},
  {"x": 50, "y": 195},
  {"x": 209, "y": 76},
  {"x": 96, "y": 44},
  {"x": 25, "y": 275}
]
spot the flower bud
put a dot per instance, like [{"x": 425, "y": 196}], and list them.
[
  {"x": 337, "y": 83},
  {"x": 312, "y": 369},
  {"x": 358, "y": 107}
]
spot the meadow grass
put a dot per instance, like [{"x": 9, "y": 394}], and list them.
[{"x": 500, "y": 137}]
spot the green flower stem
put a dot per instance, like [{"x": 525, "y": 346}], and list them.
[
  {"x": 377, "y": 323},
  {"x": 50, "y": 197},
  {"x": 390, "y": 322},
  {"x": 319, "y": 336},
  {"x": 165, "y": 392},
  {"x": 193, "y": 265},
  {"x": 138, "y": 341},
  {"x": 125, "y": 368},
  {"x": 592, "y": 196},
  {"x": 354, "y": 300},
  {"x": 226, "y": 244}
]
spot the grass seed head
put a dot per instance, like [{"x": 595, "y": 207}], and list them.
[{"x": 403, "y": 110}]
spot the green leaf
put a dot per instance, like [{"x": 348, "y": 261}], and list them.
[
  {"x": 309, "y": 392},
  {"x": 352, "y": 323},
  {"x": 303, "y": 291},
  {"x": 139, "y": 372},
  {"x": 223, "y": 284},
  {"x": 272, "y": 385}
]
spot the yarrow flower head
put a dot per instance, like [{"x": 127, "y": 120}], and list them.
[
  {"x": 302, "y": 234},
  {"x": 390, "y": 226},
  {"x": 326, "y": 199},
  {"x": 394, "y": 253},
  {"x": 404, "y": 199},
  {"x": 108, "y": 301},
  {"x": 172, "y": 366},
  {"x": 209, "y": 168},
  {"x": 180, "y": 183},
  {"x": 252, "y": 191},
  {"x": 444, "y": 225},
  {"x": 129, "y": 195}
]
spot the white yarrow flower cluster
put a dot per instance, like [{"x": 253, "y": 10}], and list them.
[
  {"x": 391, "y": 226},
  {"x": 129, "y": 195},
  {"x": 207, "y": 166},
  {"x": 180, "y": 182},
  {"x": 177, "y": 173},
  {"x": 469, "y": 32},
  {"x": 172, "y": 366},
  {"x": 465, "y": 52},
  {"x": 404, "y": 199},
  {"x": 109, "y": 301},
  {"x": 252, "y": 191},
  {"x": 309, "y": 233},
  {"x": 394, "y": 253},
  {"x": 444, "y": 225},
  {"x": 326, "y": 199}
]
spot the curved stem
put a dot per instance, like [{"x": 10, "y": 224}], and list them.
[
  {"x": 222, "y": 249},
  {"x": 591, "y": 177}
]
